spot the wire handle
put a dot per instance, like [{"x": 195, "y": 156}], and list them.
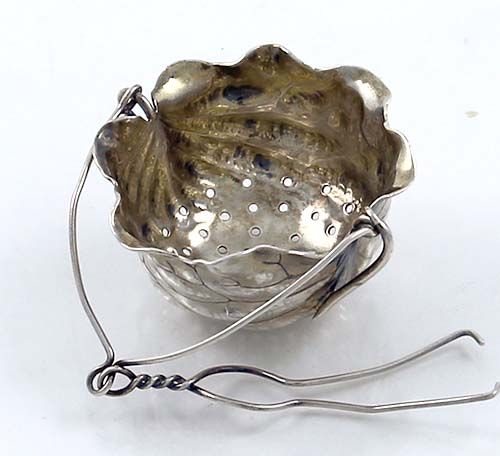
[{"x": 100, "y": 381}]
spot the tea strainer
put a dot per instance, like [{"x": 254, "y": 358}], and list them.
[{"x": 254, "y": 193}]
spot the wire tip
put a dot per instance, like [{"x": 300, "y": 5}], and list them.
[
  {"x": 474, "y": 335},
  {"x": 496, "y": 389}
]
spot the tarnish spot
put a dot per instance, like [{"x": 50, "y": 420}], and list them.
[
  {"x": 260, "y": 161},
  {"x": 145, "y": 230},
  {"x": 238, "y": 94},
  {"x": 250, "y": 123}
]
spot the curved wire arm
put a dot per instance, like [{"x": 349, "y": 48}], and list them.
[
  {"x": 100, "y": 380},
  {"x": 128, "y": 98},
  {"x": 349, "y": 406}
]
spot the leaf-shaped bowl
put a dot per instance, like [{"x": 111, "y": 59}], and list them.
[{"x": 250, "y": 173}]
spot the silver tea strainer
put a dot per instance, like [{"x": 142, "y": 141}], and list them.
[{"x": 254, "y": 193}]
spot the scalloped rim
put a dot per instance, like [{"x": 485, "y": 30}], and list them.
[{"x": 404, "y": 155}]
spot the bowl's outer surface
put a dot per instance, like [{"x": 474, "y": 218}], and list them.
[{"x": 230, "y": 289}]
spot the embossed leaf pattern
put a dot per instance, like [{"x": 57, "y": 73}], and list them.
[
  {"x": 247, "y": 175},
  {"x": 264, "y": 118}
]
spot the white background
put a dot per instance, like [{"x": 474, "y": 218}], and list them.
[{"x": 62, "y": 64}]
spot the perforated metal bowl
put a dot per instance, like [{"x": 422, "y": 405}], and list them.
[{"x": 250, "y": 173}]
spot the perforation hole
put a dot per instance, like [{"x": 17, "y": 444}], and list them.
[
  {"x": 326, "y": 189},
  {"x": 184, "y": 211},
  {"x": 331, "y": 230},
  {"x": 165, "y": 232},
  {"x": 246, "y": 182},
  {"x": 283, "y": 207},
  {"x": 186, "y": 251},
  {"x": 295, "y": 237},
  {"x": 203, "y": 233},
  {"x": 287, "y": 181},
  {"x": 315, "y": 215},
  {"x": 349, "y": 208},
  {"x": 210, "y": 192},
  {"x": 225, "y": 216},
  {"x": 222, "y": 249},
  {"x": 253, "y": 207},
  {"x": 255, "y": 231}
]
